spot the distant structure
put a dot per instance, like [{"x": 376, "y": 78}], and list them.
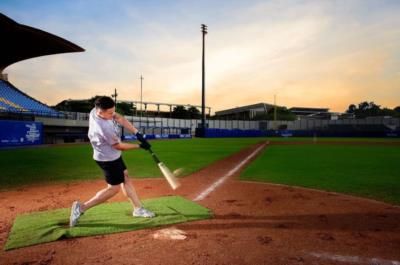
[
  {"x": 245, "y": 112},
  {"x": 158, "y": 113},
  {"x": 249, "y": 112},
  {"x": 148, "y": 109},
  {"x": 314, "y": 113}
]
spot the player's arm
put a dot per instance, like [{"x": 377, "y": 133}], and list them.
[
  {"x": 125, "y": 146},
  {"x": 124, "y": 122},
  {"x": 129, "y": 126}
]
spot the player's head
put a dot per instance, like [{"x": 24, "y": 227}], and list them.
[{"x": 105, "y": 107}]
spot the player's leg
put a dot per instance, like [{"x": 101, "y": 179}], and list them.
[
  {"x": 100, "y": 197},
  {"x": 114, "y": 176},
  {"x": 130, "y": 192},
  {"x": 78, "y": 208}
]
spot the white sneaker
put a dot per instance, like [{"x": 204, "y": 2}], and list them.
[
  {"x": 75, "y": 213},
  {"x": 142, "y": 212}
]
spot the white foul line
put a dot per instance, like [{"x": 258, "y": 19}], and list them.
[
  {"x": 353, "y": 259},
  {"x": 221, "y": 180}
]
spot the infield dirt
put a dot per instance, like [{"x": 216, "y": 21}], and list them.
[{"x": 254, "y": 223}]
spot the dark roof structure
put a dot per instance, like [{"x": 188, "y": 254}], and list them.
[
  {"x": 259, "y": 106},
  {"x": 20, "y": 42},
  {"x": 308, "y": 111}
]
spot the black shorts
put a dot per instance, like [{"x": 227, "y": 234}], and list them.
[{"x": 113, "y": 170}]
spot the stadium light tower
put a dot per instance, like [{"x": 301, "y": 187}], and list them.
[
  {"x": 141, "y": 98},
  {"x": 274, "y": 108},
  {"x": 115, "y": 96},
  {"x": 203, "y": 99}
]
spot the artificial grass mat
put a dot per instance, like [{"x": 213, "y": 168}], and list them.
[{"x": 41, "y": 227}]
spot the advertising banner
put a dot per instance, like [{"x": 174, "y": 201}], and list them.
[{"x": 19, "y": 133}]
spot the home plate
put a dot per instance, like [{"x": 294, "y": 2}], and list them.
[{"x": 170, "y": 233}]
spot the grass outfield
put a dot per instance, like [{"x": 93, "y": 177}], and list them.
[
  {"x": 35, "y": 165},
  {"x": 332, "y": 139},
  {"x": 368, "y": 171}
]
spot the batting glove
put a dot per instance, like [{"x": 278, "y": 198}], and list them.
[{"x": 143, "y": 142}]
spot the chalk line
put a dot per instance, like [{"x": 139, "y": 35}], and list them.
[{"x": 221, "y": 180}]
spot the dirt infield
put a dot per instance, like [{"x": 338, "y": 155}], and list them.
[{"x": 254, "y": 223}]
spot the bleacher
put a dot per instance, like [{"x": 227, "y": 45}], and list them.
[{"x": 15, "y": 101}]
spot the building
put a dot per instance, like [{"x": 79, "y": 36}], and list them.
[
  {"x": 313, "y": 113},
  {"x": 244, "y": 112}
]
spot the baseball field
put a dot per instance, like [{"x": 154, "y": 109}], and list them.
[{"x": 273, "y": 201}]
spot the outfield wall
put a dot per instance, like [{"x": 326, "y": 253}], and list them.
[
  {"x": 80, "y": 119},
  {"x": 193, "y": 123},
  {"x": 391, "y": 123},
  {"x": 73, "y": 127}
]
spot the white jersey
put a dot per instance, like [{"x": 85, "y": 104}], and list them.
[{"x": 102, "y": 135}]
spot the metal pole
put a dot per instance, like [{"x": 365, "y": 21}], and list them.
[
  {"x": 203, "y": 100},
  {"x": 115, "y": 102},
  {"x": 275, "y": 112},
  {"x": 115, "y": 97},
  {"x": 141, "y": 100}
]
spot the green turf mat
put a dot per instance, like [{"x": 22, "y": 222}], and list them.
[{"x": 40, "y": 227}]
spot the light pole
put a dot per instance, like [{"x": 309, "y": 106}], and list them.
[
  {"x": 115, "y": 101},
  {"x": 141, "y": 99},
  {"x": 275, "y": 112},
  {"x": 203, "y": 99},
  {"x": 115, "y": 97}
]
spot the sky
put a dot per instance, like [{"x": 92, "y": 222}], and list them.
[{"x": 327, "y": 53}]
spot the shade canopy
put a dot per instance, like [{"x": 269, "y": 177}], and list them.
[{"x": 20, "y": 42}]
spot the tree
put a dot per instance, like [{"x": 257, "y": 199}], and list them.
[
  {"x": 86, "y": 105},
  {"x": 194, "y": 113},
  {"x": 363, "y": 106},
  {"x": 93, "y": 99},
  {"x": 74, "y": 106},
  {"x": 180, "y": 112},
  {"x": 396, "y": 112},
  {"x": 369, "y": 109},
  {"x": 125, "y": 108},
  {"x": 352, "y": 109}
]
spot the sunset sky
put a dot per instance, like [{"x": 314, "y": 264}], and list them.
[{"x": 307, "y": 53}]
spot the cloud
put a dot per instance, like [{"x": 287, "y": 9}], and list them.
[{"x": 308, "y": 53}]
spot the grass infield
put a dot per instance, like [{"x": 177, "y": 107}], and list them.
[
  {"x": 41, "y": 227},
  {"x": 364, "y": 170}
]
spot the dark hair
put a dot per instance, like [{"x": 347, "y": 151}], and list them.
[{"x": 104, "y": 103}]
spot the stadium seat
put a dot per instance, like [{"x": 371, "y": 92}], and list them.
[{"x": 14, "y": 100}]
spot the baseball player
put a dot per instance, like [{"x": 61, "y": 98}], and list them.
[{"x": 107, "y": 148}]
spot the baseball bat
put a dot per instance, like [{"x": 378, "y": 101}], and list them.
[{"x": 172, "y": 180}]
